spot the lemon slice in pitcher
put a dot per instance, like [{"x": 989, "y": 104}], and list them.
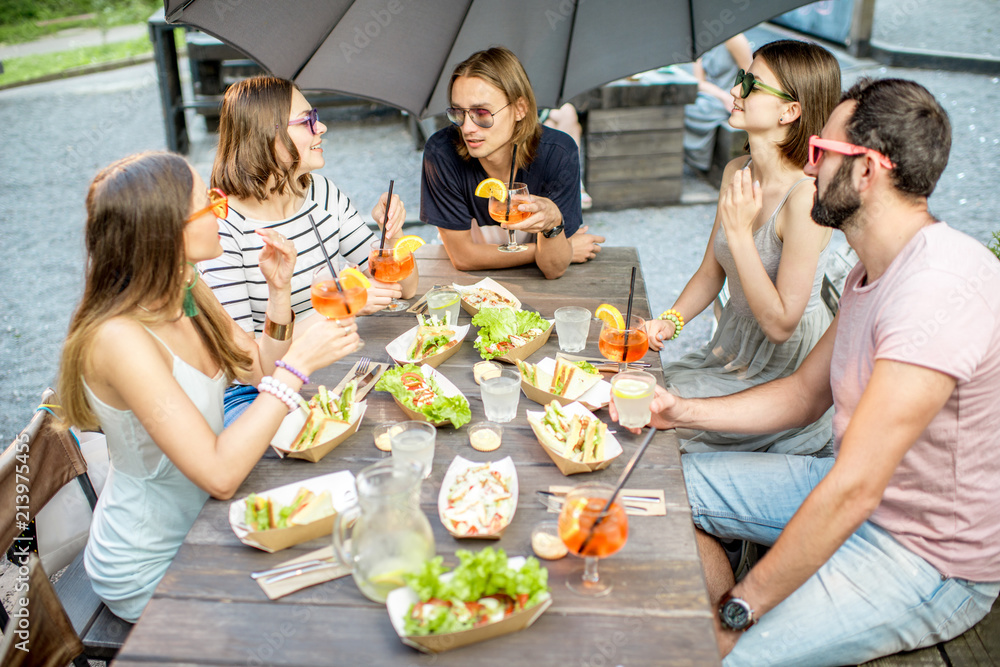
[
  {"x": 610, "y": 316},
  {"x": 492, "y": 187},
  {"x": 406, "y": 245}
]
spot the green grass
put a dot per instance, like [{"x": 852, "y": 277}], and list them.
[
  {"x": 995, "y": 245},
  {"x": 19, "y": 18},
  {"x": 33, "y": 67}
]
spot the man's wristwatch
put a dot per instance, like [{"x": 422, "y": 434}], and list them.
[
  {"x": 554, "y": 232},
  {"x": 735, "y": 613}
]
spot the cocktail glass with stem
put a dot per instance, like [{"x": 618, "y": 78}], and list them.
[
  {"x": 580, "y": 511},
  {"x": 506, "y": 212},
  {"x": 334, "y": 304},
  {"x": 389, "y": 267},
  {"x": 624, "y": 345}
]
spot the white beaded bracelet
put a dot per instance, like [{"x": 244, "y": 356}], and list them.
[{"x": 280, "y": 390}]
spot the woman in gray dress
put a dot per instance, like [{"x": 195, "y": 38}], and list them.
[{"x": 766, "y": 245}]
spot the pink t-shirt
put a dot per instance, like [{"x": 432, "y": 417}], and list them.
[{"x": 936, "y": 306}]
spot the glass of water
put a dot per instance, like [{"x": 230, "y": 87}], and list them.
[
  {"x": 633, "y": 392},
  {"x": 572, "y": 326},
  {"x": 414, "y": 441},
  {"x": 441, "y": 300},
  {"x": 500, "y": 395}
]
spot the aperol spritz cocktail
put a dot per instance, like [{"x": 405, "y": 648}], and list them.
[
  {"x": 506, "y": 213},
  {"x": 623, "y": 344},
  {"x": 580, "y": 510},
  {"x": 390, "y": 264},
  {"x": 335, "y": 304}
]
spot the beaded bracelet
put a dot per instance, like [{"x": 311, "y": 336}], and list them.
[
  {"x": 281, "y": 363},
  {"x": 280, "y": 390},
  {"x": 675, "y": 317}
]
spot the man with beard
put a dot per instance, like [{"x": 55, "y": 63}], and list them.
[
  {"x": 493, "y": 110},
  {"x": 895, "y": 543}
]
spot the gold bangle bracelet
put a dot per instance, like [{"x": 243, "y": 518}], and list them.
[{"x": 280, "y": 332}]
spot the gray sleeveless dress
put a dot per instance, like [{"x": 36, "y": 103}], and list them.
[
  {"x": 148, "y": 505},
  {"x": 740, "y": 356}
]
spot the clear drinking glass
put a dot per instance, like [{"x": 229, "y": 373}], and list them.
[
  {"x": 414, "y": 442},
  {"x": 441, "y": 300},
  {"x": 506, "y": 212},
  {"x": 580, "y": 512},
  {"x": 633, "y": 392},
  {"x": 500, "y": 396},
  {"x": 385, "y": 265},
  {"x": 334, "y": 304},
  {"x": 572, "y": 327}
]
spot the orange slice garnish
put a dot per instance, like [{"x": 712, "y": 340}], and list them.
[
  {"x": 351, "y": 277},
  {"x": 492, "y": 187},
  {"x": 406, "y": 245},
  {"x": 610, "y": 316}
]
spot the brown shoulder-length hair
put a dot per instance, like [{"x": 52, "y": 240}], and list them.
[
  {"x": 254, "y": 117},
  {"x": 500, "y": 67},
  {"x": 136, "y": 212},
  {"x": 811, "y": 75}
]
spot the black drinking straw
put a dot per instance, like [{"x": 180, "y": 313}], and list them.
[
  {"x": 628, "y": 315},
  {"x": 385, "y": 223},
  {"x": 510, "y": 181},
  {"x": 329, "y": 264},
  {"x": 621, "y": 483}
]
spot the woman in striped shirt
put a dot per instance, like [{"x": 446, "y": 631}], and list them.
[{"x": 269, "y": 144}]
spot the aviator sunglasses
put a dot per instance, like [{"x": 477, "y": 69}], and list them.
[
  {"x": 481, "y": 117},
  {"x": 818, "y": 145},
  {"x": 219, "y": 205},
  {"x": 747, "y": 80},
  {"x": 312, "y": 118}
]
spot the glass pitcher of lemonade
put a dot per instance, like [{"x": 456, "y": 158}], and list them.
[{"x": 385, "y": 535}]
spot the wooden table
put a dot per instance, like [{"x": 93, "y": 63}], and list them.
[{"x": 207, "y": 610}]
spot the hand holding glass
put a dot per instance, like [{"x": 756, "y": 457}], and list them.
[
  {"x": 633, "y": 393},
  {"x": 385, "y": 266},
  {"x": 506, "y": 212}
]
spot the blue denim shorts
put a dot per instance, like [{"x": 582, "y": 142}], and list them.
[
  {"x": 872, "y": 598},
  {"x": 236, "y": 400}
]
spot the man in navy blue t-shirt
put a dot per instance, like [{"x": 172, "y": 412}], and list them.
[{"x": 493, "y": 108}]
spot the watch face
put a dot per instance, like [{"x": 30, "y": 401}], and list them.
[{"x": 735, "y": 614}]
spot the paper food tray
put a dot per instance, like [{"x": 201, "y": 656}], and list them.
[
  {"x": 504, "y": 466},
  {"x": 597, "y": 396},
  {"x": 341, "y": 487},
  {"x": 485, "y": 283},
  {"x": 399, "y": 601},
  {"x": 398, "y": 348},
  {"x": 612, "y": 448},
  {"x": 447, "y": 388},
  {"x": 292, "y": 425}
]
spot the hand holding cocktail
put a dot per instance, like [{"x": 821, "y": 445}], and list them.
[
  {"x": 341, "y": 299},
  {"x": 392, "y": 263}
]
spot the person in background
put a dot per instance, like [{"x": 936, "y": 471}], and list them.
[
  {"x": 715, "y": 72},
  {"x": 270, "y": 143},
  {"x": 148, "y": 355},
  {"x": 894, "y": 544},
  {"x": 565, "y": 119},
  {"x": 766, "y": 246},
  {"x": 493, "y": 108}
]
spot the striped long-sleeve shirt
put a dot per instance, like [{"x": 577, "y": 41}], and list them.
[{"x": 235, "y": 276}]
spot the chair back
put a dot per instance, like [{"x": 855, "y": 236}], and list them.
[
  {"x": 39, "y": 634},
  {"x": 41, "y": 460}
]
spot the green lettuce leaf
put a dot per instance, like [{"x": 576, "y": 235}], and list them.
[
  {"x": 499, "y": 324},
  {"x": 444, "y": 408}
]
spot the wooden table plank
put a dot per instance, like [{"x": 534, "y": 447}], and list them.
[
  {"x": 208, "y": 611},
  {"x": 199, "y": 632}
]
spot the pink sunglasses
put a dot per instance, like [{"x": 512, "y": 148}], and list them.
[{"x": 818, "y": 145}]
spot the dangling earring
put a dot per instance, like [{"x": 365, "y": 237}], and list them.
[{"x": 189, "y": 305}]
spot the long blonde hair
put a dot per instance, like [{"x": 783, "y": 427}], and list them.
[{"x": 136, "y": 212}]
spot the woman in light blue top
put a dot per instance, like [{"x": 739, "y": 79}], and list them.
[{"x": 148, "y": 355}]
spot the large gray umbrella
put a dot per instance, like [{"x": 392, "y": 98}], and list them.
[{"x": 402, "y": 52}]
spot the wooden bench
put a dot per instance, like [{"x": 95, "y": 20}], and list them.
[{"x": 101, "y": 631}]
